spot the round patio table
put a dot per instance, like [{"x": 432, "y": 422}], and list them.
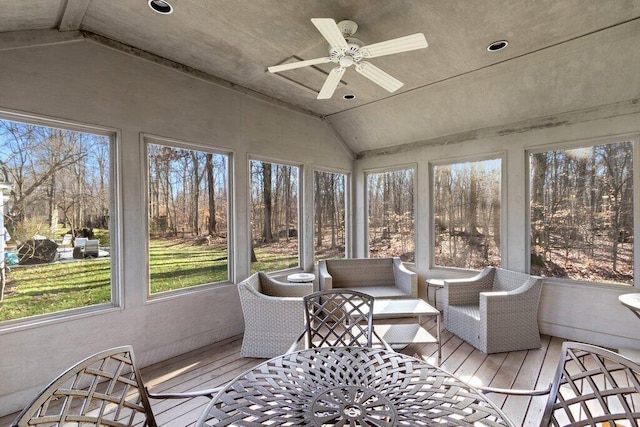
[{"x": 354, "y": 386}]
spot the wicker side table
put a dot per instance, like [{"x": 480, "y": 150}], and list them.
[{"x": 301, "y": 278}]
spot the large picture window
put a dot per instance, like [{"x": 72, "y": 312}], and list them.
[
  {"x": 329, "y": 214},
  {"x": 188, "y": 217},
  {"x": 466, "y": 214},
  {"x": 274, "y": 216},
  {"x": 391, "y": 214},
  {"x": 56, "y": 186},
  {"x": 582, "y": 213}
]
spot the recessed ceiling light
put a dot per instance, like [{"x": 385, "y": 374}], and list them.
[
  {"x": 349, "y": 96},
  {"x": 496, "y": 46},
  {"x": 161, "y": 6}
]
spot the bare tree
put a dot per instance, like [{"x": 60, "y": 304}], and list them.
[
  {"x": 211, "y": 223},
  {"x": 267, "y": 233}
]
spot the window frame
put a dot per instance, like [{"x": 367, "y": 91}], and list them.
[
  {"x": 146, "y": 139},
  {"x": 299, "y": 209},
  {"x": 416, "y": 219},
  {"x": 495, "y": 155},
  {"x": 347, "y": 209},
  {"x": 115, "y": 222},
  {"x": 634, "y": 138}
]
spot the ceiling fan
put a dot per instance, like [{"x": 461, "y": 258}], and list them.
[{"x": 346, "y": 51}]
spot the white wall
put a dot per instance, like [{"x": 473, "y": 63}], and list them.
[
  {"x": 90, "y": 84},
  {"x": 581, "y": 311}
]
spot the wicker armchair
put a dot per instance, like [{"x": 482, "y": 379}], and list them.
[
  {"x": 495, "y": 311},
  {"x": 102, "y": 390},
  {"x": 273, "y": 314}
]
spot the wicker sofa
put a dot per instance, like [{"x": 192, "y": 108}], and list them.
[
  {"x": 273, "y": 314},
  {"x": 495, "y": 311},
  {"x": 378, "y": 277}
]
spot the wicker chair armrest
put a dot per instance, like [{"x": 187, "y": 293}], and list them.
[
  {"x": 282, "y": 289},
  {"x": 525, "y": 294},
  {"x": 460, "y": 292},
  {"x": 268, "y": 300},
  {"x": 186, "y": 395},
  {"x": 405, "y": 279},
  {"x": 467, "y": 291},
  {"x": 325, "y": 281},
  {"x": 288, "y": 290}
]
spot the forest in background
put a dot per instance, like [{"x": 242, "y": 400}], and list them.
[
  {"x": 390, "y": 201},
  {"x": 274, "y": 213},
  {"x": 582, "y": 213},
  {"x": 467, "y": 215},
  {"x": 329, "y": 215},
  {"x": 581, "y": 204},
  {"x": 188, "y": 193}
]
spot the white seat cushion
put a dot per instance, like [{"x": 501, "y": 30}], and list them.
[{"x": 382, "y": 291}]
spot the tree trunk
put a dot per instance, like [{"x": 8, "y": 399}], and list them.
[
  {"x": 212, "y": 201},
  {"x": 195, "y": 194},
  {"x": 539, "y": 166},
  {"x": 318, "y": 202},
  {"x": 267, "y": 233}
]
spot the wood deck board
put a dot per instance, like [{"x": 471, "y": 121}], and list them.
[{"x": 214, "y": 365}]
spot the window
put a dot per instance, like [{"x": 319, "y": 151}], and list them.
[
  {"x": 329, "y": 214},
  {"x": 466, "y": 214},
  {"x": 391, "y": 214},
  {"x": 582, "y": 213},
  {"x": 57, "y": 198},
  {"x": 274, "y": 216},
  {"x": 188, "y": 217}
]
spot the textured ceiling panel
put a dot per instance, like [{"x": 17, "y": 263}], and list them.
[{"x": 448, "y": 87}]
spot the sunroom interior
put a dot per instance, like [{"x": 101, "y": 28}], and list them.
[{"x": 197, "y": 79}]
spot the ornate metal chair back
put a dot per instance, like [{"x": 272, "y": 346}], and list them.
[
  {"x": 593, "y": 386},
  {"x": 339, "y": 318},
  {"x": 103, "y": 389}
]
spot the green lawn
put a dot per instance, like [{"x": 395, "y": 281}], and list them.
[
  {"x": 48, "y": 288},
  {"x": 175, "y": 264},
  {"x": 270, "y": 261}
]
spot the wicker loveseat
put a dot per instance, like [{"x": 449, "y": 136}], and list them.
[
  {"x": 495, "y": 311},
  {"x": 273, "y": 314},
  {"x": 378, "y": 277}
]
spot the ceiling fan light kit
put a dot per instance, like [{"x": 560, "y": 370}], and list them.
[{"x": 345, "y": 51}]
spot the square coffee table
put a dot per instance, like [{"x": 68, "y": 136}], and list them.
[{"x": 412, "y": 333}]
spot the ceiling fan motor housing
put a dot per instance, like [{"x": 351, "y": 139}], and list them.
[{"x": 337, "y": 53}]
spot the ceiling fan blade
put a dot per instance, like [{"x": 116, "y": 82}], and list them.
[
  {"x": 330, "y": 31},
  {"x": 331, "y": 83},
  {"x": 401, "y": 44},
  {"x": 299, "y": 64},
  {"x": 378, "y": 76}
]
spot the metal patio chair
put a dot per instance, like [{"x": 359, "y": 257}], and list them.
[
  {"x": 102, "y": 390},
  {"x": 338, "y": 318},
  {"x": 592, "y": 386}
]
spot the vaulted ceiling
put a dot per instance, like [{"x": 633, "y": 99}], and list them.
[{"x": 454, "y": 85}]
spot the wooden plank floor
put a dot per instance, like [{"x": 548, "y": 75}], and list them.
[{"x": 218, "y": 363}]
